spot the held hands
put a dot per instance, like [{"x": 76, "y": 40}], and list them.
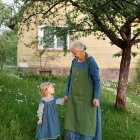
[
  {"x": 95, "y": 102},
  {"x": 39, "y": 121},
  {"x": 65, "y": 98}
]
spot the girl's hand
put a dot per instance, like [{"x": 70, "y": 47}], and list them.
[
  {"x": 65, "y": 98},
  {"x": 39, "y": 121},
  {"x": 96, "y": 102}
]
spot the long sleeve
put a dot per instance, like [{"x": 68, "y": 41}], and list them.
[
  {"x": 94, "y": 76},
  {"x": 40, "y": 110},
  {"x": 68, "y": 83},
  {"x": 60, "y": 101}
]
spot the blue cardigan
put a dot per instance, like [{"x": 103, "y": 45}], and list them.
[{"x": 93, "y": 74}]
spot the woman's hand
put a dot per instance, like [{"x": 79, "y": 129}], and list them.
[
  {"x": 65, "y": 98},
  {"x": 95, "y": 102},
  {"x": 39, "y": 121}
]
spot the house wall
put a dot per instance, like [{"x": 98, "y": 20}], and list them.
[
  {"x": 56, "y": 62},
  {"x": 101, "y": 50}
]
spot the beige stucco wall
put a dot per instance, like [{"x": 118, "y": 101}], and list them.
[{"x": 100, "y": 49}]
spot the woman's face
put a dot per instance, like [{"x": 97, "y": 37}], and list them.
[{"x": 78, "y": 54}]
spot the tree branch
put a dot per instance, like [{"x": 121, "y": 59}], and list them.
[
  {"x": 111, "y": 20},
  {"x": 74, "y": 3},
  {"x": 132, "y": 42},
  {"x": 54, "y": 5},
  {"x": 103, "y": 28},
  {"x": 135, "y": 36},
  {"x": 44, "y": 13},
  {"x": 118, "y": 9},
  {"x": 135, "y": 42},
  {"x": 126, "y": 27},
  {"x": 132, "y": 3},
  {"x": 131, "y": 20},
  {"x": 108, "y": 32},
  {"x": 102, "y": 6}
]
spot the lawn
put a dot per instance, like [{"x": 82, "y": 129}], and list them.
[{"x": 19, "y": 97}]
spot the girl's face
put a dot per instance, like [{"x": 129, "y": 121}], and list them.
[{"x": 50, "y": 90}]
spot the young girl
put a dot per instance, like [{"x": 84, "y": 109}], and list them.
[{"x": 48, "y": 122}]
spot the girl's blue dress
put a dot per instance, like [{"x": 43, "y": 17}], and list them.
[{"x": 50, "y": 128}]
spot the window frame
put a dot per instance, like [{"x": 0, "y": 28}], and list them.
[{"x": 40, "y": 35}]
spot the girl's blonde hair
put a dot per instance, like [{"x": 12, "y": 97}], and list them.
[{"x": 43, "y": 88}]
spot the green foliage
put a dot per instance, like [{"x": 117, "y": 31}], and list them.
[
  {"x": 19, "y": 103},
  {"x": 8, "y": 41},
  {"x": 118, "y": 54},
  {"x": 134, "y": 54},
  {"x": 5, "y": 14},
  {"x": 134, "y": 91},
  {"x": 113, "y": 19},
  {"x": 116, "y": 123},
  {"x": 41, "y": 78},
  {"x": 106, "y": 18}
]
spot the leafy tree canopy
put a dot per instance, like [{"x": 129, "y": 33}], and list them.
[
  {"x": 118, "y": 20},
  {"x": 8, "y": 47}
]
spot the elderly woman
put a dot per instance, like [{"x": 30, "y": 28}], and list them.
[{"x": 83, "y": 117}]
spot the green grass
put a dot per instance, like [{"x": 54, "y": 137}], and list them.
[
  {"x": 19, "y": 98},
  {"x": 119, "y": 124}
]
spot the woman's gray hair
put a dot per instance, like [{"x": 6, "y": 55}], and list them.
[{"x": 78, "y": 46}]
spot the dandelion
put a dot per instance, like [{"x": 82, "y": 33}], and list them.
[
  {"x": 24, "y": 96},
  {"x": 1, "y": 86},
  {"x": 15, "y": 76},
  {"x": 20, "y": 101},
  {"x": 112, "y": 88},
  {"x": 127, "y": 99},
  {"x": 20, "y": 93},
  {"x": 53, "y": 84}
]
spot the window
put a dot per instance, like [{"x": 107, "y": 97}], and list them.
[{"x": 49, "y": 38}]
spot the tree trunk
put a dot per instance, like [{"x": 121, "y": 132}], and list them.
[
  {"x": 123, "y": 78},
  {"x": 1, "y": 66},
  {"x": 2, "y": 56},
  {"x": 2, "y": 63}
]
